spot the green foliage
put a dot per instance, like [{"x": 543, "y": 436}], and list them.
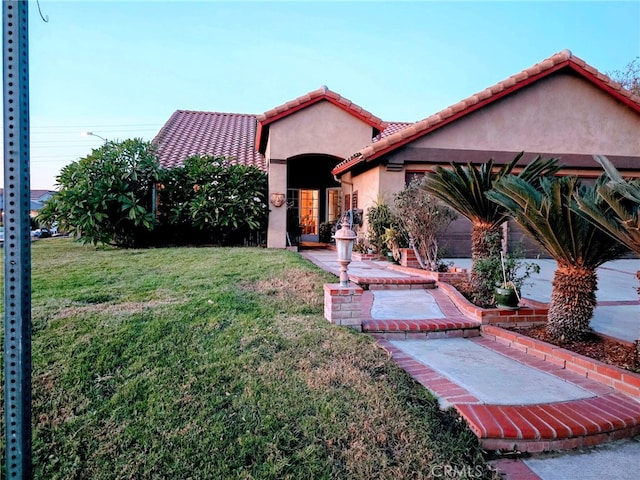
[
  {"x": 621, "y": 217},
  {"x": 393, "y": 240},
  {"x": 548, "y": 215},
  {"x": 509, "y": 271},
  {"x": 106, "y": 197},
  {"x": 221, "y": 200},
  {"x": 325, "y": 231},
  {"x": 463, "y": 188},
  {"x": 422, "y": 216},
  {"x": 380, "y": 217}
]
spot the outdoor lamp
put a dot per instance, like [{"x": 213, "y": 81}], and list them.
[{"x": 344, "y": 245}]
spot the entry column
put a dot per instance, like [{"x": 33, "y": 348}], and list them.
[{"x": 277, "y": 226}]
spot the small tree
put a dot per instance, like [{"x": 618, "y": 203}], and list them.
[
  {"x": 423, "y": 217},
  {"x": 221, "y": 200},
  {"x": 106, "y": 197},
  {"x": 629, "y": 77},
  {"x": 463, "y": 188}
]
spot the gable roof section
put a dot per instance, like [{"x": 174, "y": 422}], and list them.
[
  {"x": 561, "y": 60},
  {"x": 311, "y": 98},
  {"x": 188, "y": 133}
]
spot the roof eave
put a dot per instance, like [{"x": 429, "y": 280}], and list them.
[{"x": 569, "y": 63}]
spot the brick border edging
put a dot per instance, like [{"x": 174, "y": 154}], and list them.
[
  {"x": 617, "y": 378},
  {"x": 529, "y": 314}
]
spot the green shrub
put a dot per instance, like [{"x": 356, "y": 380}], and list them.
[
  {"x": 209, "y": 199},
  {"x": 422, "y": 217},
  {"x": 107, "y": 196},
  {"x": 380, "y": 217},
  {"x": 326, "y": 231}
]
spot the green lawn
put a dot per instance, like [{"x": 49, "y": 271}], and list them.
[{"x": 215, "y": 363}]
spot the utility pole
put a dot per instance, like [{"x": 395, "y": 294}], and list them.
[{"x": 17, "y": 242}]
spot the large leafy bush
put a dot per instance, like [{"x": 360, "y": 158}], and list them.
[
  {"x": 209, "y": 199},
  {"x": 107, "y": 196}
]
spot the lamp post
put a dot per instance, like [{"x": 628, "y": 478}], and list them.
[
  {"x": 91, "y": 134},
  {"x": 344, "y": 245}
]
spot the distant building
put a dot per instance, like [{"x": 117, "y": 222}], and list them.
[{"x": 38, "y": 197}]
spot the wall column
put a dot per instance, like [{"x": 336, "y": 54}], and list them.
[
  {"x": 277, "y": 227},
  {"x": 343, "y": 305}
]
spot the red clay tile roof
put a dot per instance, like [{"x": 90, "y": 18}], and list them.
[
  {"x": 189, "y": 133},
  {"x": 563, "y": 59},
  {"x": 233, "y": 135},
  {"x": 321, "y": 94},
  {"x": 392, "y": 127}
]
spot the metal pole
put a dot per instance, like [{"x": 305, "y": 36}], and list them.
[{"x": 17, "y": 248}]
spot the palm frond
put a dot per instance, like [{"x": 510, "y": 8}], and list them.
[
  {"x": 546, "y": 214},
  {"x": 463, "y": 188},
  {"x": 615, "y": 209},
  {"x": 629, "y": 189}
]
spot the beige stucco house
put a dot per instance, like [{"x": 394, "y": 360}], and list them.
[{"x": 323, "y": 154}]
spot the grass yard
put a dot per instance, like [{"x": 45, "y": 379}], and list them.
[{"x": 217, "y": 363}]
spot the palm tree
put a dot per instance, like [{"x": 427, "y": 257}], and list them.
[
  {"x": 548, "y": 214},
  {"x": 463, "y": 188},
  {"x": 622, "y": 221},
  {"x": 623, "y": 198}
]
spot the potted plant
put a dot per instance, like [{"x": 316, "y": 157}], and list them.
[
  {"x": 506, "y": 274},
  {"x": 507, "y": 291}
]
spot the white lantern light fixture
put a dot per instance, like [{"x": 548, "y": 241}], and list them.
[{"x": 344, "y": 245}]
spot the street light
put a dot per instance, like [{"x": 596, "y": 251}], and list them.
[{"x": 91, "y": 134}]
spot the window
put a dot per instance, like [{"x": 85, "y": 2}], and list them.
[{"x": 333, "y": 204}]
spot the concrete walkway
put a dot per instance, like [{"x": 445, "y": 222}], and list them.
[{"x": 510, "y": 397}]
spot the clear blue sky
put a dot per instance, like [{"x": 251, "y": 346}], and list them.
[{"x": 120, "y": 68}]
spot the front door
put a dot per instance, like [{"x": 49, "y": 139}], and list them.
[
  {"x": 309, "y": 213},
  {"x": 304, "y": 208}
]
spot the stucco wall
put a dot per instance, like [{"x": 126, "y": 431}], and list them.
[
  {"x": 320, "y": 128},
  {"x": 374, "y": 185},
  {"x": 276, "y": 230},
  {"x": 562, "y": 114}
]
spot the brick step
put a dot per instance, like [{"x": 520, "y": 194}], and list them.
[
  {"x": 553, "y": 426},
  {"x": 449, "y": 327},
  {"x": 393, "y": 282}
]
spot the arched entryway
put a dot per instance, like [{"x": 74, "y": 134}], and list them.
[{"x": 313, "y": 196}]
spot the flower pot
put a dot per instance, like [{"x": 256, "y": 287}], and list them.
[{"x": 506, "y": 298}]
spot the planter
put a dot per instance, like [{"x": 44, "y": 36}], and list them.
[{"x": 506, "y": 298}]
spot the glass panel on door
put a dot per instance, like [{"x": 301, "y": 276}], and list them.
[{"x": 308, "y": 205}]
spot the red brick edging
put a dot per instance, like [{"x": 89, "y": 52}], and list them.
[
  {"x": 617, "y": 378},
  {"x": 607, "y": 416},
  {"x": 530, "y": 312}
]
